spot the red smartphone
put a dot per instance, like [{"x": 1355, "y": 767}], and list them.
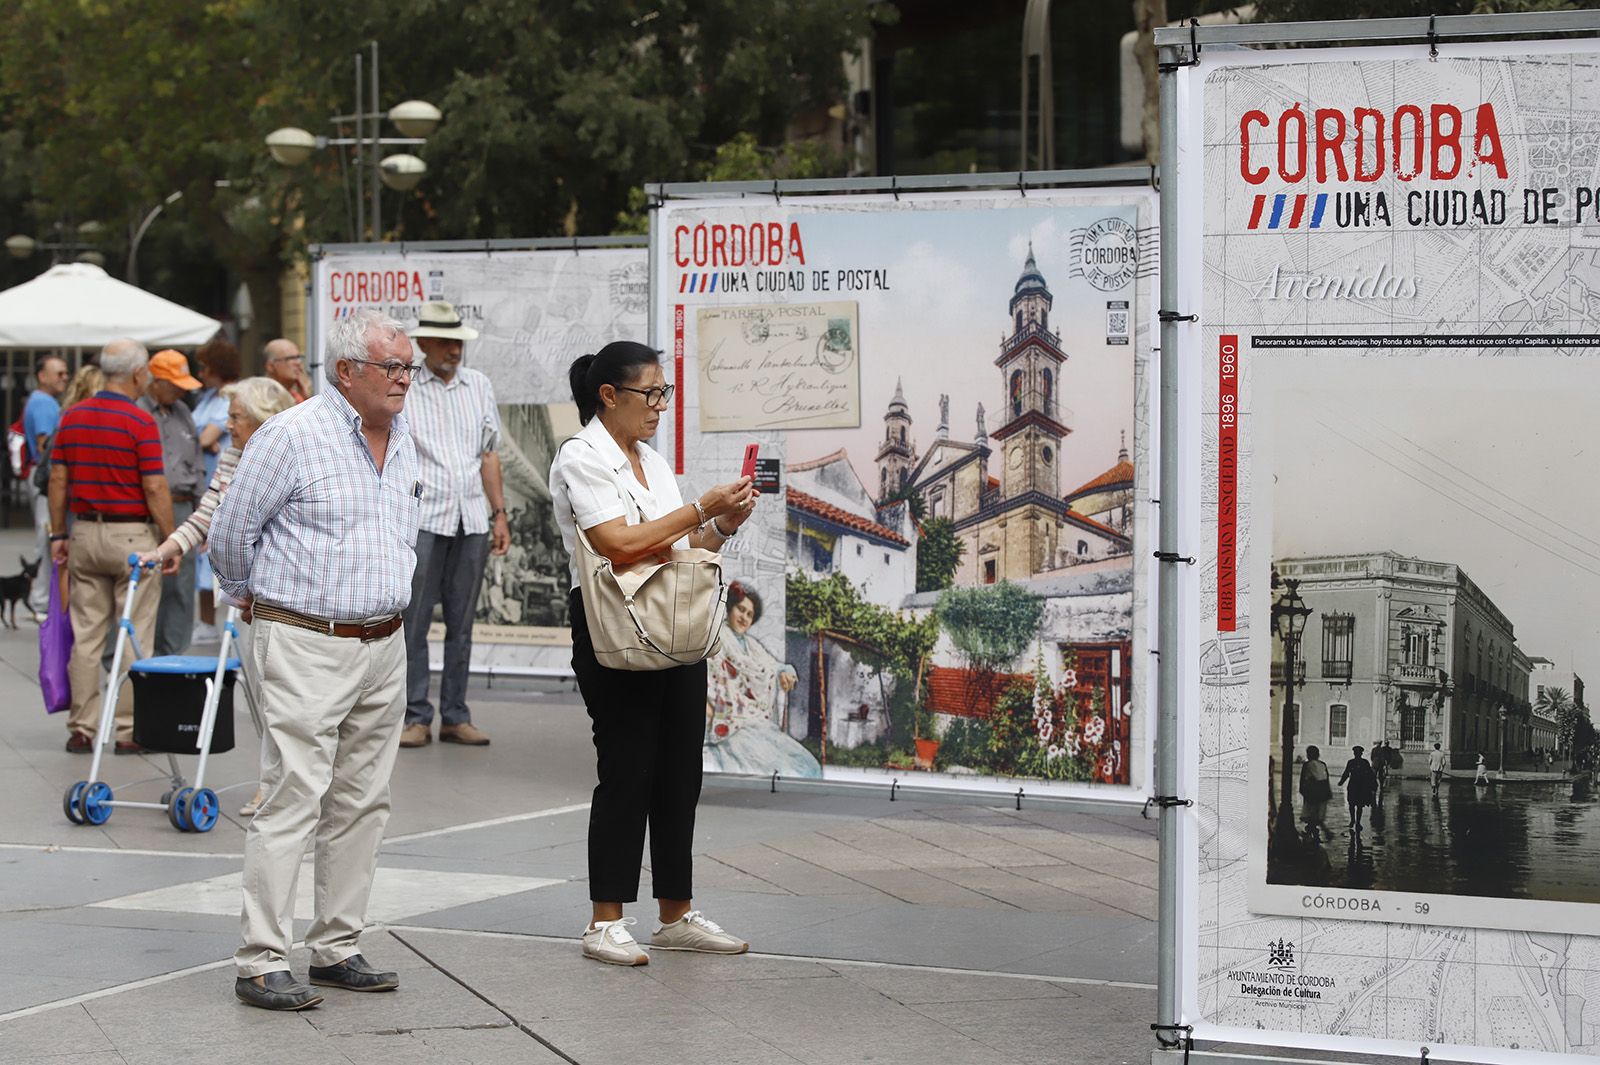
[{"x": 749, "y": 467}]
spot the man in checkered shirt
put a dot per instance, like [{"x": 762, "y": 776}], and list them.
[
  {"x": 317, "y": 534},
  {"x": 456, "y": 426}
]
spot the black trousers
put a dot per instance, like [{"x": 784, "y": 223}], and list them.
[{"x": 648, "y": 732}]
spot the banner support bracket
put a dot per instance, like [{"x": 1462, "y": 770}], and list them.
[
  {"x": 1173, "y": 556},
  {"x": 1164, "y": 802},
  {"x": 1174, "y": 316},
  {"x": 774, "y": 782},
  {"x": 1194, "y": 51},
  {"x": 1186, "y": 1040}
]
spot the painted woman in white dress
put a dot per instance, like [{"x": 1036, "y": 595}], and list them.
[{"x": 745, "y": 690}]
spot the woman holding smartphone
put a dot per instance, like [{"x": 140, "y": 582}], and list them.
[{"x": 648, "y": 726}]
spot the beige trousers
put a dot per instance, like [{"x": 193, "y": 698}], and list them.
[
  {"x": 333, "y": 708},
  {"x": 97, "y": 559}
]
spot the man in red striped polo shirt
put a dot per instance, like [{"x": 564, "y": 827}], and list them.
[{"x": 106, "y": 469}]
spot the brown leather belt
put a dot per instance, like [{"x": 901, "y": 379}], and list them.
[
  {"x": 353, "y": 630},
  {"x": 183, "y": 497}
]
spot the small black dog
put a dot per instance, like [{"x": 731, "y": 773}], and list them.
[{"x": 16, "y": 589}]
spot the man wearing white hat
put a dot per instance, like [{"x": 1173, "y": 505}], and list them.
[{"x": 456, "y": 426}]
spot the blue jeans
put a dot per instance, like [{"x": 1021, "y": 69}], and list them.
[{"x": 449, "y": 573}]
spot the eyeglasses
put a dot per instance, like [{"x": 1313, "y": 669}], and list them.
[
  {"x": 393, "y": 370},
  {"x": 653, "y": 397},
  {"x": 290, "y": 358}
]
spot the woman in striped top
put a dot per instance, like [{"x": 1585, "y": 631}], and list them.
[{"x": 250, "y": 402}]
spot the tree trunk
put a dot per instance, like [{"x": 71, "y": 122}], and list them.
[
  {"x": 264, "y": 280},
  {"x": 1147, "y": 16}
]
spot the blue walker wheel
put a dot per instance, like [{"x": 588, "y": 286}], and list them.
[
  {"x": 69, "y": 802},
  {"x": 204, "y": 809},
  {"x": 178, "y": 809},
  {"x": 92, "y": 803}
]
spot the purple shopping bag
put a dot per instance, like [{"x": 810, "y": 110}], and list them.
[{"x": 55, "y": 649}]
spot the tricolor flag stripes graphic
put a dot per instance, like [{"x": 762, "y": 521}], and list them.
[
  {"x": 697, "y": 282},
  {"x": 1296, "y": 212}
]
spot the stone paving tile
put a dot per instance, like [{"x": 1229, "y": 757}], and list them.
[
  {"x": 199, "y": 1011},
  {"x": 830, "y": 853},
  {"x": 69, "y": 1030},
  {"x": 711, "y": 873},
  {"x": 925, "y": 888},
  {"x": 426, "y": 999},
  {"x": 663, "y": 1041},
  {"x": 788, "y": 872},
  {"x": 1049, "y": 1031},
  {"x": 689, "y": 973},
  {"x": 261, "y": 1052},
  {"x": 1025, "y": 894},
  {"x": 104, "y": 1057},
  {"x": 879, "y": 839},
  {"x": 538, "y": 982},
  {"x": 980, "y": 846},
  {"x": 916, "y": 987},
  {"x": 1132, "y": 899},
  {"x": 436, "y": 1046}
]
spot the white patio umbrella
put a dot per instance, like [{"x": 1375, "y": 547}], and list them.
[{"x": 78, "y": 305}]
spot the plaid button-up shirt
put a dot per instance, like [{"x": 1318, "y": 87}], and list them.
[
  {"x": 452, "y": 424},
  {"x": 309, "y": 524}
]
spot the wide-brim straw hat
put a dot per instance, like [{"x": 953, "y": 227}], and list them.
[{"x": 439, "y": 319}]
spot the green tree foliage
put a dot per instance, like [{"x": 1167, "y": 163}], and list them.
[
  {"x": 553, "y": 111},
  {"x": 939, "y": 552},
  {"x": 882, "y": 637},
  {"x": 992, "y": 624}
]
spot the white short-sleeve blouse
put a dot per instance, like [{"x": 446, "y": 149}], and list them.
[{"x": 589, "y": 477}]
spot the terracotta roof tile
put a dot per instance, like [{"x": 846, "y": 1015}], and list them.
[
  {"x": 839, "y": 516},
  {"x": 1095, "y": 525},
  {"x": 1121, "y": 473}
]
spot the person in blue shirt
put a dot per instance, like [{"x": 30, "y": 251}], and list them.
[
  {"x": 218, "y": 361},
  {"x": 39, "y": 417}
]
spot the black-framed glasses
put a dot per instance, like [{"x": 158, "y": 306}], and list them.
[
  {"x": 392, "y": 370},
  {"x": 655, "y": 396}
]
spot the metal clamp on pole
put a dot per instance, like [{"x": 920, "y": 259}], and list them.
[
  {"x": 1174, "y": 1042},
  {"x": 1164, "y": 802},
  {"x": 777, "y": 198},
  {"x": 1173, "y": 556},
  {"x": 1174, "y": 316},
  {"x": 1194, "y": 52},
  {"x": 1433, "y": 57}
]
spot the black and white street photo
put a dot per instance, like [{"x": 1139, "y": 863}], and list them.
[{"x": 1434, "y": 573}]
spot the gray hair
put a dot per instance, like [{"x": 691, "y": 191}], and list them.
[
  {"x": 122, "y": 358},
  {"x": 350, "y": 338},
  {"x": 259, "y": 397}
]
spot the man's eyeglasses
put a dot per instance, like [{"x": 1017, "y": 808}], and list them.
[
  {"x": 393, "y": 370},
  {"x": 653, "y": 397}
]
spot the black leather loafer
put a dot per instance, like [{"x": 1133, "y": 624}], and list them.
[
  {"x": 281, "y": 991},
  {"x": 354, "y": 974}
]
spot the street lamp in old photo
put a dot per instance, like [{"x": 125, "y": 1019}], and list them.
[{"x": 1289, "y": 614}]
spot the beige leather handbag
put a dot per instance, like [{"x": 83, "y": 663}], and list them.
[{"x": 652, "y": 616}]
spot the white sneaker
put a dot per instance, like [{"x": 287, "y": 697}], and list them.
[
  {"x": 204, "y": 633},
  {"x": 695, "y": 931},
  {"x": 612, "y": 943}
]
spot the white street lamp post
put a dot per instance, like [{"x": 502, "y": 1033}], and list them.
[{"x": 415, "y": 119}]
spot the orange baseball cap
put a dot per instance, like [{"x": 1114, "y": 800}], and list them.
[{"x": 171, "y": 366}]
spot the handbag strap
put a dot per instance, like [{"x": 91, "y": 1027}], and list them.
[{"x": 712, "y": 632}]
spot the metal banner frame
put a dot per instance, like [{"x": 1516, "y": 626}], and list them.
[
  {"x": 1177, "y": 593},
  {"x": 1022, "y": 182}
]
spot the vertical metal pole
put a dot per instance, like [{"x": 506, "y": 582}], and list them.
[
  {"x": 360, "y": 174},
  {"x": 377, "y": 152},
  {"x": 1169, "y": 603}
]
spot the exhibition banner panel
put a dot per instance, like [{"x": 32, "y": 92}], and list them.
[
  {"x": 1395, "y": 264},
  {"x": 945, "y": 581},
  {"x": 535, "y": 311}
]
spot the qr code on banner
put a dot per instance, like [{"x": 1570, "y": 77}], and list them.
[{"x": 1116, "y": 321}]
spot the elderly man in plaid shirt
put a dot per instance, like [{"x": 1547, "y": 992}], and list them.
[
  {"x": 456, "y": 425},
  {"x": 317, "y": 534}
]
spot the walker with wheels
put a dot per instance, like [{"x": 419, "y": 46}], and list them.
[{"x": 159, "y": 689}]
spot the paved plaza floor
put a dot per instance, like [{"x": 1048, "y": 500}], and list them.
[{"x": 884, "y": 932}]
